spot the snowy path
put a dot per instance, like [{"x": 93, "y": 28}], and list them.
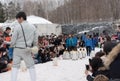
[{"x": 67, "y": 70}]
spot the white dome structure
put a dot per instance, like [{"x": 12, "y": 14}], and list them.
[
  {"x": 44, "y": 27},
  {"x": 37, "y": 20}
]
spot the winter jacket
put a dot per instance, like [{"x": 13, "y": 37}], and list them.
[
  {"x": 112, "y": 62},
  {"x": 3, "y": 65},
  {"x": 75, "y": 40},
  {"x": 96, "y": 41},
  {"x": 30, "y": 32},
  {"x": 3, "y": 59},
  {"x": 89, "y": 42},
  {"x": 57, "y": 41},
  {"x": 71, "y": 42},
  {"x": 96, "y": 64},
  {"x": 115, "y": 68},
  {"x": 83, "y": 37},
  {"x": 91, "y": 78}
]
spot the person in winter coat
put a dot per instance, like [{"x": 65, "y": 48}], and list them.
[
  {"x": 23, "y": 31},
  {"x": 112, "y": 61},
  {"x": 75, "y": 41},
  {"x": 96, "y": 64},
  {"x": 71, "y": 42},
  {"x": 88, "y": 44},
  {"x": 3, "y": 60},
  {"x": 83, "y": 37},
  {"x": 95, "y": 41},
  {"x": 7, "y": 37},
  {"x": 57, "y": 41},
  {"x": 7, "y": 32}
]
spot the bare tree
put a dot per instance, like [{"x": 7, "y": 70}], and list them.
[{"x": 68, "y": 11}]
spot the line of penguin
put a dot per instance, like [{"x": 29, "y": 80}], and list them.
[{"x": 77, "y": 54}]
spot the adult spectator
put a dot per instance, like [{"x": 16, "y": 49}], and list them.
[
  {"x": 95, "y": 65},
  {"x": 4, "y": 61},
  {"x": 112, "y": 61},
  {"x": 24, "y": 36}
]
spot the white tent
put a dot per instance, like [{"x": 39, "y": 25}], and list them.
[
  {"x": 44, "y": 26},
  {"x": 37, "y": 20}
]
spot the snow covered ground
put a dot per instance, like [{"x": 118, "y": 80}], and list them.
[{"x": 67, "y": 70}]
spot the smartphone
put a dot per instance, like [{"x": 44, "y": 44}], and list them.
[{"x": 87, "y": 67}]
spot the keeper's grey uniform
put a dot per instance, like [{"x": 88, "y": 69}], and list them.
[{"x": 18, "y": 42}]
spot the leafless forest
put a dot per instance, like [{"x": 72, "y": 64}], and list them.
[{"x": 67, "y": 11}]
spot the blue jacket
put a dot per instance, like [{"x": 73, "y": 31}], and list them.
[
  {"x": 89, "y": 42},
  {"x": 75, "y": 40},
  {"x": 83, "y": 37},
  {"x": 71, "y": 42},
  {"x": 94, "y": 42}
]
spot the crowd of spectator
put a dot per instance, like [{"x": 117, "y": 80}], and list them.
[
  {"x": 51, "y": 46},
  {"x": 5, "y": 62}
]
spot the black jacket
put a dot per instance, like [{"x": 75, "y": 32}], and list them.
[
  {"x": 3, "y": 65},
  {"x": 115, "y": 68},
  {"x": 112, "y": 61},
  {"x": 91, "y": 78}
]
